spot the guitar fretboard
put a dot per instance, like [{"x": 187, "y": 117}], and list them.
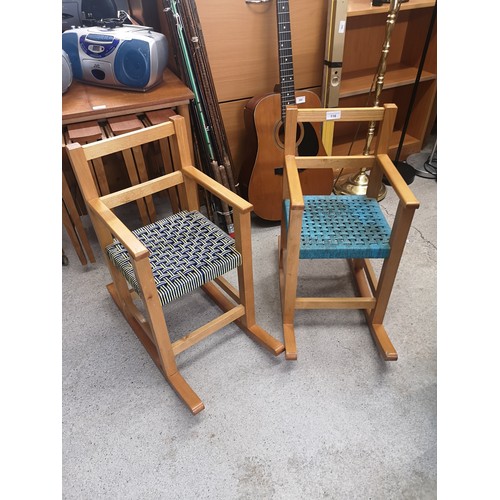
[{"x": 287, "y": 84}]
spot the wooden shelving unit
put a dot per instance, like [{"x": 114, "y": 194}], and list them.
[{"x": 365, "y": 34}]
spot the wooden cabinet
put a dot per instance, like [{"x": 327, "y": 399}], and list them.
[{"x": 241, "y": 43}]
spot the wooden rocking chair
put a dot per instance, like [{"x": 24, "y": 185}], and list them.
[
  {"x": 171, "y": 257},
  {"x": 350, "y": 227}
]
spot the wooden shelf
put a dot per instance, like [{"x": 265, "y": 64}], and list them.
[
  {"x": 343, "y": 145},
  {"x": 364, "y": 7},
  {"x": 397, "y": 75}
]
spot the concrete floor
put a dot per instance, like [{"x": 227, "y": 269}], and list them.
[{"x": 338, "y": 423}]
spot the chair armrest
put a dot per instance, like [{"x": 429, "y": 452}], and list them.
[
  {"x": 397, "y": 182},
  {"x": 294, "y": 187},
  {"x": 217, "y": 189},
  {"x": 119, "y": 230}
]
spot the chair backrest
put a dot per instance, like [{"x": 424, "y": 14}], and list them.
[
  {"x": 81, "y": 156},
  {"x": 111, "y": 146},
  {"x": 380, "y": 118},
  {"x": 174, "y": 130}
]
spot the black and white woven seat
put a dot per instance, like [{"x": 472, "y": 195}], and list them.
[{"x": 186, "y": 251}]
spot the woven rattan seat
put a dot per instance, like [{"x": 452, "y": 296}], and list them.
[
  {"x": 186, "y": 251},
  {"x": 342, "y": 227}
]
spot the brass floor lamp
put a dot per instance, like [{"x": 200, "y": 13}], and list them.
[{"x": 358, "y": 183}]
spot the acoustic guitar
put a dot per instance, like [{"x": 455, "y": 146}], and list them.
[{"x": 261, "y": 174}]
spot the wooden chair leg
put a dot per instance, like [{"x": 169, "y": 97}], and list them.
[
  {"x": 70, "y": 229},
  {"x": 382, "y": 340},
  {"x": 242, "y": 228},
  {"x": 174, "y": 378},
  {"x": 65, "y": 260},
  {"x": 185, "y": 393},
  {"x": 367, "y": 285},
  {"x": 153, "y": 332},
  {"x": 73, "y": 224},
  {"x": 162, "y": 339},
  {"x": 401, "y": 228},
  {"x": 288, "y": 296},
  {"x": 289, "y": 268},
  {"x": 375, "y": 317}
]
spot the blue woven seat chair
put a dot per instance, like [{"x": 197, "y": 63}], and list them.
[
  {"x": 344, "y": 226},
  {"x": 162, "y": 261}
]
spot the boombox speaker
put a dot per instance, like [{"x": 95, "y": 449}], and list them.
[
  {"x": 67, "y": 73},
  {"x": 131, "y": 56}
]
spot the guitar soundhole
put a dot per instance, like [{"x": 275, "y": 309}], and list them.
[
  {"x": 306, "y": 138},
  {"x": 279, "y": 134}
]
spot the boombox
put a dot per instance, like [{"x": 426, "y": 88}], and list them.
[{"x": 130, "y": 56}]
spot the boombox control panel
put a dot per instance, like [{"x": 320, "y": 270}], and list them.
[
  {"x": 96, "y": 45},
  {"x": 132, "y": 57}
]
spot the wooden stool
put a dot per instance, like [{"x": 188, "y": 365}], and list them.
[
  {"x": 84, "y": 133},
  {"x": 81, "y": 133},
  {"x": 134, "y": 161}
]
